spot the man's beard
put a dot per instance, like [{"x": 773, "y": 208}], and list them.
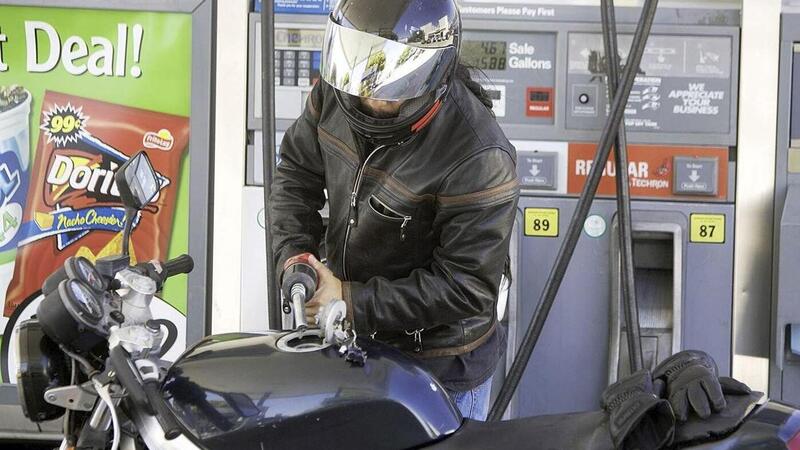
[
  {"x": 377, "y": 114},
  {"x": 381, "y": 114}
]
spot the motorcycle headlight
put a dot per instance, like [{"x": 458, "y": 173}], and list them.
[{"x": 42, "y": 366}]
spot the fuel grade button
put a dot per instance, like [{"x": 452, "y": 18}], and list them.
[{"x": 696, "y": 176}]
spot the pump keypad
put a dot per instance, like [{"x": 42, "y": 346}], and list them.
[{"x": 297, "y": 67}]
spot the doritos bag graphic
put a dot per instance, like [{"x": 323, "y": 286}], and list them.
[{"x": 73, "y": 205}]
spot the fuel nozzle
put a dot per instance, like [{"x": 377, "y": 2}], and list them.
[{"x": 299, "y": 283}]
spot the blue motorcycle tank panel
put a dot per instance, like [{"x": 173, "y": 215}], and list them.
[{"x": 239, "y": 391}]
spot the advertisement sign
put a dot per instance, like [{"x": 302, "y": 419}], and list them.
[
  {"x": 652, "y": 171},
  {"x": 81, "y": 91},
  {"x": 684, "y": 84}
]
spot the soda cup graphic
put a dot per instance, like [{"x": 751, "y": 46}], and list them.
[{"x": 15, "y": 111}]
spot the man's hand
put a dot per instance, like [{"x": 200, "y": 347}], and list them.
[{"x": 328, "y": 290}]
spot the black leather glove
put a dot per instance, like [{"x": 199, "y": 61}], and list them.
[
  {"x": 690, "y": 382},
  {"x": 638, "y": 419},
  {"x": 733, "y": 387}
]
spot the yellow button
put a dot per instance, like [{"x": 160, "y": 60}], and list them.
[
  {"x": 708, "y": 228},
  {"x": 541, "y": 222}
]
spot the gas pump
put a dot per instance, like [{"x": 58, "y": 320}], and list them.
[
  {"x": 784, "y": 381},
  {"x": 550, "y": 95},
  {"x": 297, "y": 47}
]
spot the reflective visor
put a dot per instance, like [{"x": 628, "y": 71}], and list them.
[{"x": 366, "y": 65}]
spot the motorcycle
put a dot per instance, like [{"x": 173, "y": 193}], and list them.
[{"x": 93, "y": 354}]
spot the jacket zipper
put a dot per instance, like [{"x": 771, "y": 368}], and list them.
[
  {"x": 406, "y": 219},
  {"x": 417, "y": 339},
  {"x": 353, "y": 220}
]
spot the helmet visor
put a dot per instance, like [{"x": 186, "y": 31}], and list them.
[{"x": 370, "y": 66}]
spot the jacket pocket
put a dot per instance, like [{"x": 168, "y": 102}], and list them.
[
  {"x": 384, "y": 241},
  {"x": 387, "y": 213}
]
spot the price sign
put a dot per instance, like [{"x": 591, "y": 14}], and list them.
[
  {"x": 708, "y": 228},
  {"x": 63, "y": 124},
  {"x": 541, "y": 222}
]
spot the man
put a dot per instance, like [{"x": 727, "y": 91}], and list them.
[{"x": 421, "y": 185}]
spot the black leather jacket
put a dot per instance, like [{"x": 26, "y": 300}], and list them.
[{"x": 422, "y": 252}]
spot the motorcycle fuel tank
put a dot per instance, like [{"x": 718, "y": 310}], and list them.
[{"x": 248, "y": 391}]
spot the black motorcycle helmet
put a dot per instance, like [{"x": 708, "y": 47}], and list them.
[{"x": 391, "y": 50}]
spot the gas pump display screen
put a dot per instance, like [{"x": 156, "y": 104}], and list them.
[
  {"x": 485, "y": 55},
  {"x": 518, "y": 72},
  {"x": 299, "y": 38},
  {"x": 539, "y": 96}
]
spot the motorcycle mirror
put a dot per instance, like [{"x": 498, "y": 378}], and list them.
[{"x": 137, "y": 182}]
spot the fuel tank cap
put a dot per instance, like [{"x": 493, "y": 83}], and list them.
[{"x": 302, "y": 341}]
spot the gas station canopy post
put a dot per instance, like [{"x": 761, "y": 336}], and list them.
[{"x": 610, "y": 132}]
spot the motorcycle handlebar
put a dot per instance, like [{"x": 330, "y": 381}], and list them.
[
  {"x": 163, "y": 414},
  {"x": 147, "y": 396},
  {"x": 179, "y": 265},
  {"x": 120, "y": 361}
]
